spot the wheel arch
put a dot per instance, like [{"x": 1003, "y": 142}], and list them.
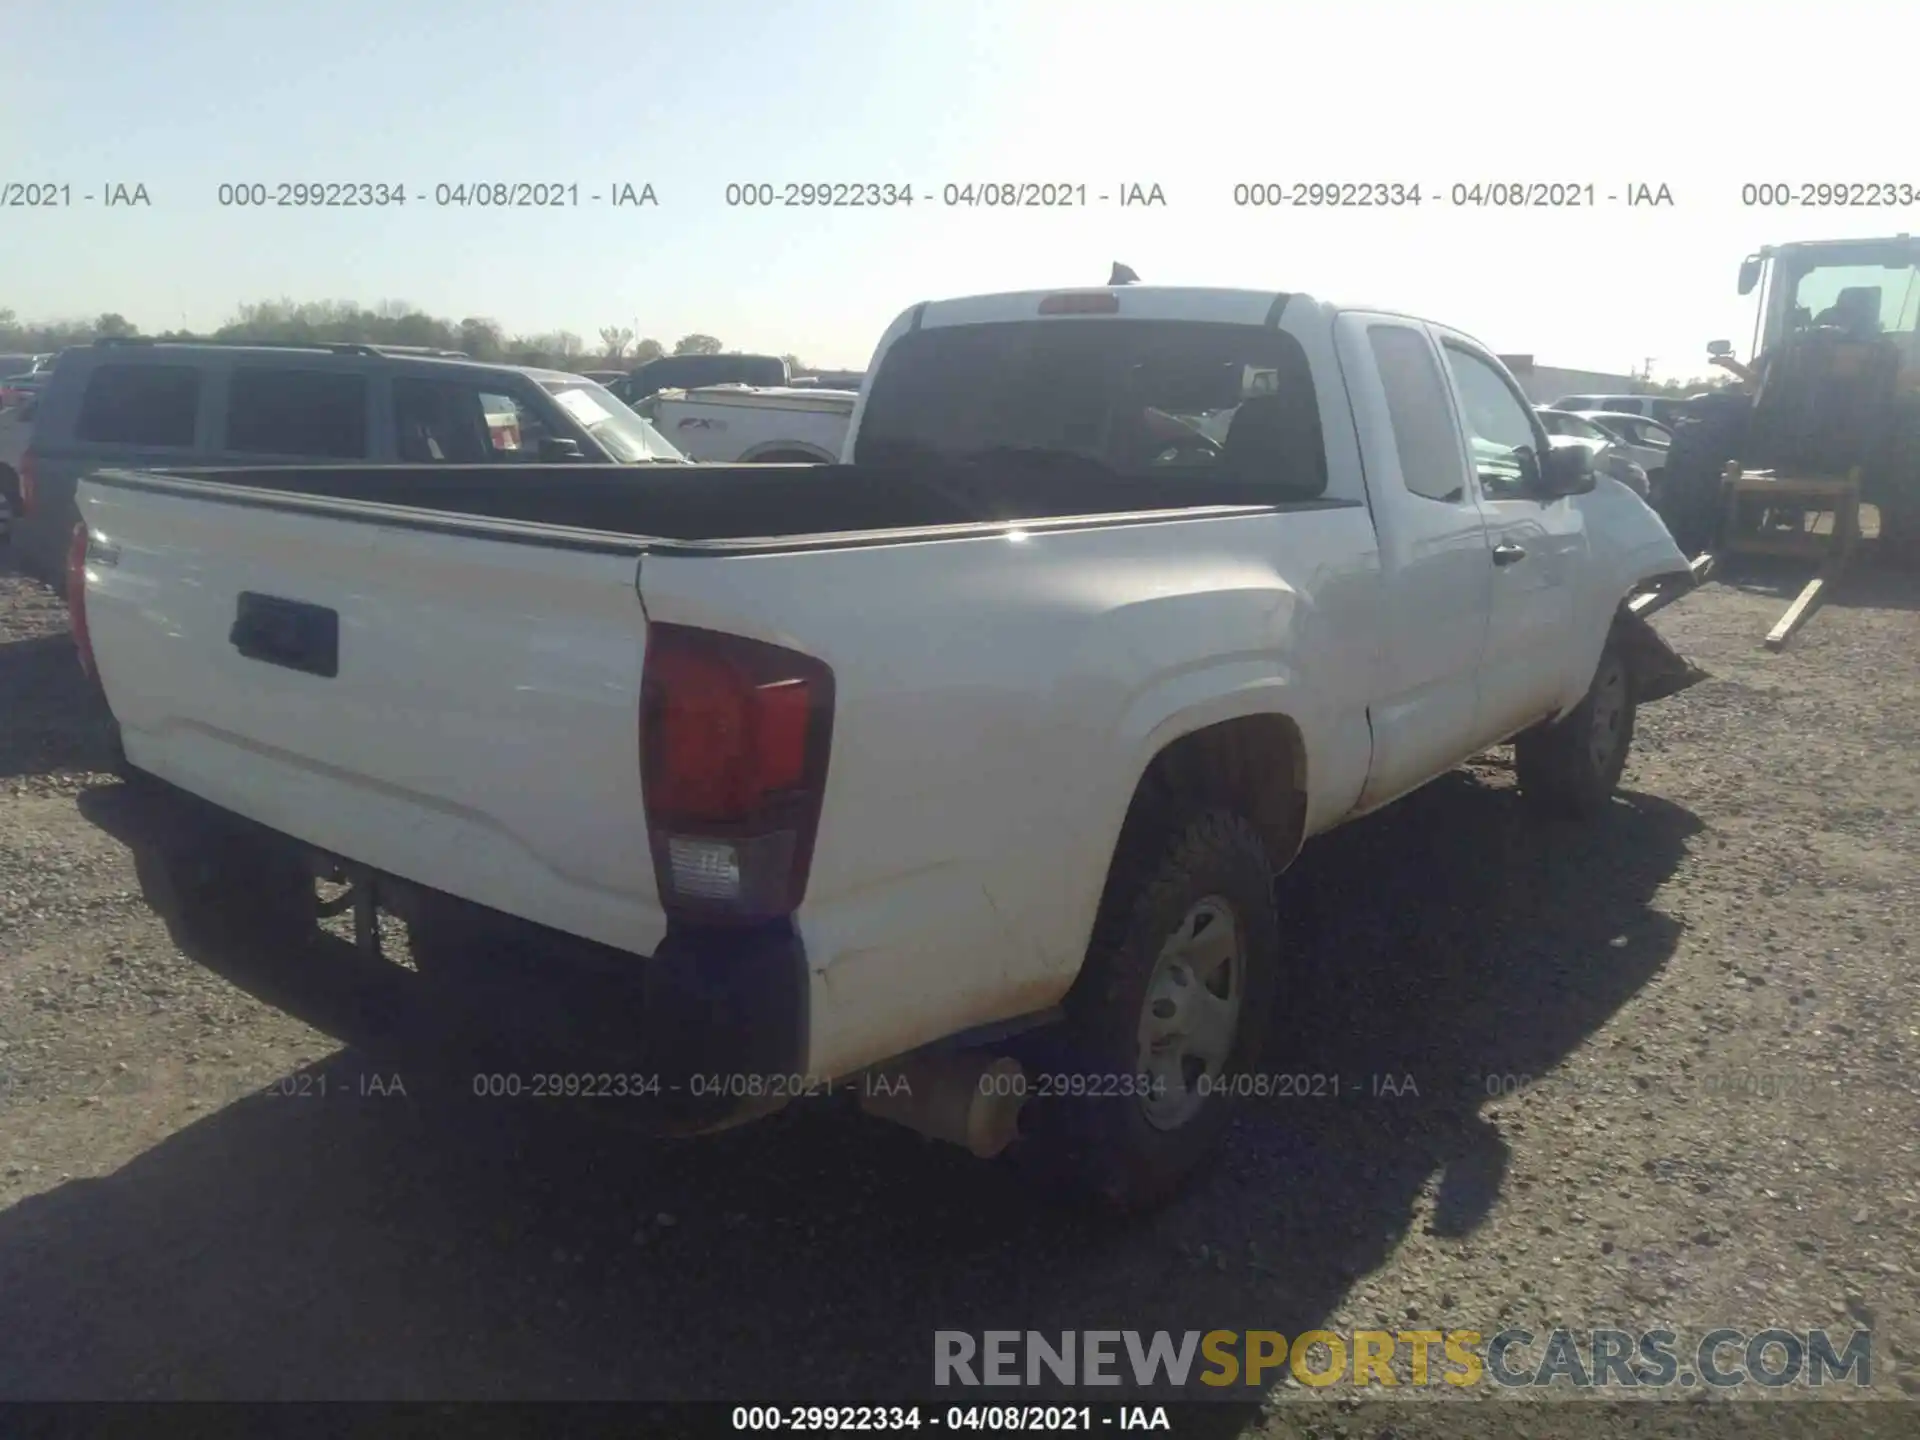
[
  {"x": 1254, "y": 765},
  {"x": 782, "y": 452}
]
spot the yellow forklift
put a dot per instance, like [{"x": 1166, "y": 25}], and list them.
[{"x": 1826, "y": 417}]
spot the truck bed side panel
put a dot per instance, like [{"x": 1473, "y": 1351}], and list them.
[{"x": 996, "y": 701}]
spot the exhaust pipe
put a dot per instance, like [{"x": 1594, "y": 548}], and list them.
[{"x": 967, "y": 1098}]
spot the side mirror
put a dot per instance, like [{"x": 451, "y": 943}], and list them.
[
  {"x": 1749, "y": 274},
  {"x": 1719, "y": 348},
  {"x": 1565, "y": 470},
  {"x": 559, "y": 447}
]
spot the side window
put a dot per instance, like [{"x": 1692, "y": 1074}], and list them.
[
  {"x": 438, "y": 424},
  {"x": 1423, "y": 428},
  {"x": 514, "y": 429},
  {"x": 140, "y": 405},
  {"x": 1499, "y": 429},
  {"x": 445, "y": 422},
  {"x": 320, "y": 413}
]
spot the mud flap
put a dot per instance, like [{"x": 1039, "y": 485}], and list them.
[{"x": 1658, "y": 669}]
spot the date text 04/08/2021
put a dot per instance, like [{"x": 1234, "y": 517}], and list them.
[
  {"x": 970, "y": 194},
  {"x": 991, "y": 1419},
  {"x": 884, "y": 1082},
  {"x": 1463, "y": 195},
  {"x": 460, "y": 195}
]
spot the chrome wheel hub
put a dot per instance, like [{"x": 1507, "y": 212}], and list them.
[
  {"x": 1191, "y": 1016},
  {"x": 1609, "y": 715}
]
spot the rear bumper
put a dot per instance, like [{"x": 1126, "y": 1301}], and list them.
[{"x": 707, "y": 1032}]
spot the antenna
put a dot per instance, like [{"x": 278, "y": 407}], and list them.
[{"x": 1122, "y": 275}]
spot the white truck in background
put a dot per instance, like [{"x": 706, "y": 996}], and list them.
[
  {"x": 741, "y": 424},
  {"x": 967, "y": 761}
]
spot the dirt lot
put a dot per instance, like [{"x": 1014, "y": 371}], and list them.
[{"x": 1712, "y": 992}]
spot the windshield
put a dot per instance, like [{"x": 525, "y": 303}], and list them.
[
  {"x": 1133, "y": 396},
  {"x": 1874, "y": 299},
  {"x": 623, "y": 434}
]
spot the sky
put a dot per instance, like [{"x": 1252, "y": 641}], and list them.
[{"x": 1195, "y": 97}]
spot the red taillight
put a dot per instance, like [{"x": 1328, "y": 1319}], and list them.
[
  {"x": 734, "y": 737},
  {"x": 27, "y": 486},
  {"x": 77, "y": 596},
  {"x": 1083, "y": 302}
]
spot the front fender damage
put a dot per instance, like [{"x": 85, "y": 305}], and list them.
[{"x": 1659, "y": 671}]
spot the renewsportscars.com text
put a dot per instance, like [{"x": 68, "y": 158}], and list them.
[{"x": 1512, "y": 1359}]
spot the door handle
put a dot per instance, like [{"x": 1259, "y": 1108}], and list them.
[{"x": 1508, "y": 553}]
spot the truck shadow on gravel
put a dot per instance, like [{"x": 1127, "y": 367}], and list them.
[
  {"x": 55, "y": 719},
  {"x": 362, "y": 1244}
]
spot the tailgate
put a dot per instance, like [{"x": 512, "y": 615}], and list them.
[{"x": 457, "y": 710}]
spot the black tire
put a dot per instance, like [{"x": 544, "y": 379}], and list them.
[
  {"x": 1900, "y": 530},
  {"x": 1571, "y": 769},
  {"x": 1689, "y": 492},
  {"x": 1162, "y": 884},
  {"x": 225, "y": 894}
]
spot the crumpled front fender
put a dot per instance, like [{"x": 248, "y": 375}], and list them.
[{"x": 1658, "y": 669}]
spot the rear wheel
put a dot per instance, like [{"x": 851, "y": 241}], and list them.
[
  {"x": 1172, "y": 1004},
  {"x": 1572, "y": 768}
]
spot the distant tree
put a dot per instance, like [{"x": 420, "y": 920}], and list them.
[
  {"x": 480, "y": 338},
  {"x": 390, "y": 322}
]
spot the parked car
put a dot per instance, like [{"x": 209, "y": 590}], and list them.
[
  {"x": 961, "y": 765},
  {"x": 1657, "y": 407},
  {"x": 1643, "y": 440},
  {"x": 152, "y": 404},
  {"x": 16, "y": 388},
  {"x": 1609, "y": 455},
  {"x": 16, "y": 433},
  {"x": 692, "y": 372},
  {"x": 832, "y": 379},
  {"x": 740, "y": 424}
]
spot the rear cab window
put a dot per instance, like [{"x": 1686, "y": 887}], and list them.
[
  {"x": 1135, "y": 398},
  {"x": 154, "y": 406}
]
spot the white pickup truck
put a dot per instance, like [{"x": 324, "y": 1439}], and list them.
[
  {"x": 740, "y": 424},
  {"x": 912, "y": 774}
]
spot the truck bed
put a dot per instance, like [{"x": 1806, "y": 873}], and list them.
[
  {"x": 454, "y": 697},
  {"x": 714, "y": 507}
]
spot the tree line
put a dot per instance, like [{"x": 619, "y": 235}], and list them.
[{"x": 287, "y": 322}]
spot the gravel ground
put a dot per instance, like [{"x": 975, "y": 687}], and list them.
[{"x": 1661, "y": 1071}]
